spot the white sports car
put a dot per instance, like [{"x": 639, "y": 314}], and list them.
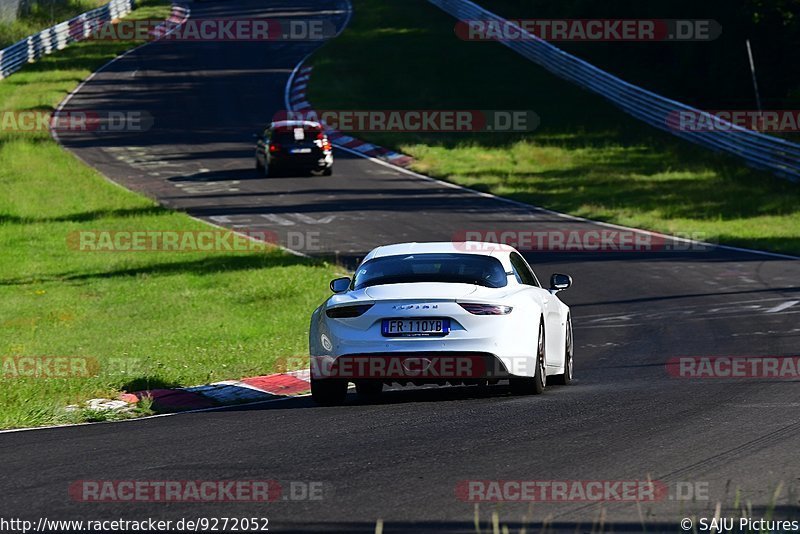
[{"x": 442, "y": 313}]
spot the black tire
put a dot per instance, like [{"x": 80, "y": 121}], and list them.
[
  {"x": 533, "y": 385},
  {"x": 369, "y": 390},
  {"x": 569, "y": 351},
  {"x": 328, "y": 172},
  {"x": 329, "y": 391}
]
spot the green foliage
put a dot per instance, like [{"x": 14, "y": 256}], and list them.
[
  {"x": 148, "y": 319},
  {"x": 41, "y": 14},
  {"x": 587, "y": 157}
]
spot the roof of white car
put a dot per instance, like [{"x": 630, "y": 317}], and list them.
[{"x": 445, "y": 247}]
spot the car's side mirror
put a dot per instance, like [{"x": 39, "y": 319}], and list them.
[
  {"x": 560, "y": 282},
  {"x": 340, "y": 285}
]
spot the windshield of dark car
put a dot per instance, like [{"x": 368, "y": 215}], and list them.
[{"x": 449, "y": 268}]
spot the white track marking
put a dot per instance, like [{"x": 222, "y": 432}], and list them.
[
  {"x": 201, "y": 188},
  {"x": 784, "y": 306},
  {"x": 277, "y": 219},
  {"x": 714, "y": 308},
  {"x": 303, "y": 218},
  {"x": 685, "y": 318}
]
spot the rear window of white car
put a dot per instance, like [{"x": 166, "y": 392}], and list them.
[{"x": 446, "y": 268}]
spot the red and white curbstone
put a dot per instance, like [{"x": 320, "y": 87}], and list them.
[
  {"x": 297, "y": 101},
  {"x": 178, "y": 16},
  {"x": 225, "y": 393}
]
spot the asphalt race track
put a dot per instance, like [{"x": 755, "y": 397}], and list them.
[{"x": 400, "y": 460}]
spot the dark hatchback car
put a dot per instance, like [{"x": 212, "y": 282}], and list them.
[{"x": 294, "y": 146}]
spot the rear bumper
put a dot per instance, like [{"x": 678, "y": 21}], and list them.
[
  {"x": 417, "y": 368},
  {"x": 505, "y": 346},
  {"x": 316, "y": 161},
  {"x": 476, "y": 347}
]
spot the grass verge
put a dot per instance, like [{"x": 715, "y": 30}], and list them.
[
  {"x": 587, "y": 158},
  {"x": 142, "y": 319}
]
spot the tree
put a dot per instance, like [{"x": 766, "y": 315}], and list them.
[{"x": 9, "y": 10}]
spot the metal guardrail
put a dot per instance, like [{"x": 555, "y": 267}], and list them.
[
  {"x": 60, "y": 36},
  {"x": 759, "y": 150}
]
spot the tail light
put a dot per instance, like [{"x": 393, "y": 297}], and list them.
[
  {"x": 348, "y": 312},
  {"x": 324, "y": 143},
  {"x": 486, "y": 309},
  {"x": 274, "y": 148}
]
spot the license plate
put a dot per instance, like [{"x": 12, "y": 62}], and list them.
[
  {"x": 415, "y": 327},
  {"x": 301, "y": 151}
]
